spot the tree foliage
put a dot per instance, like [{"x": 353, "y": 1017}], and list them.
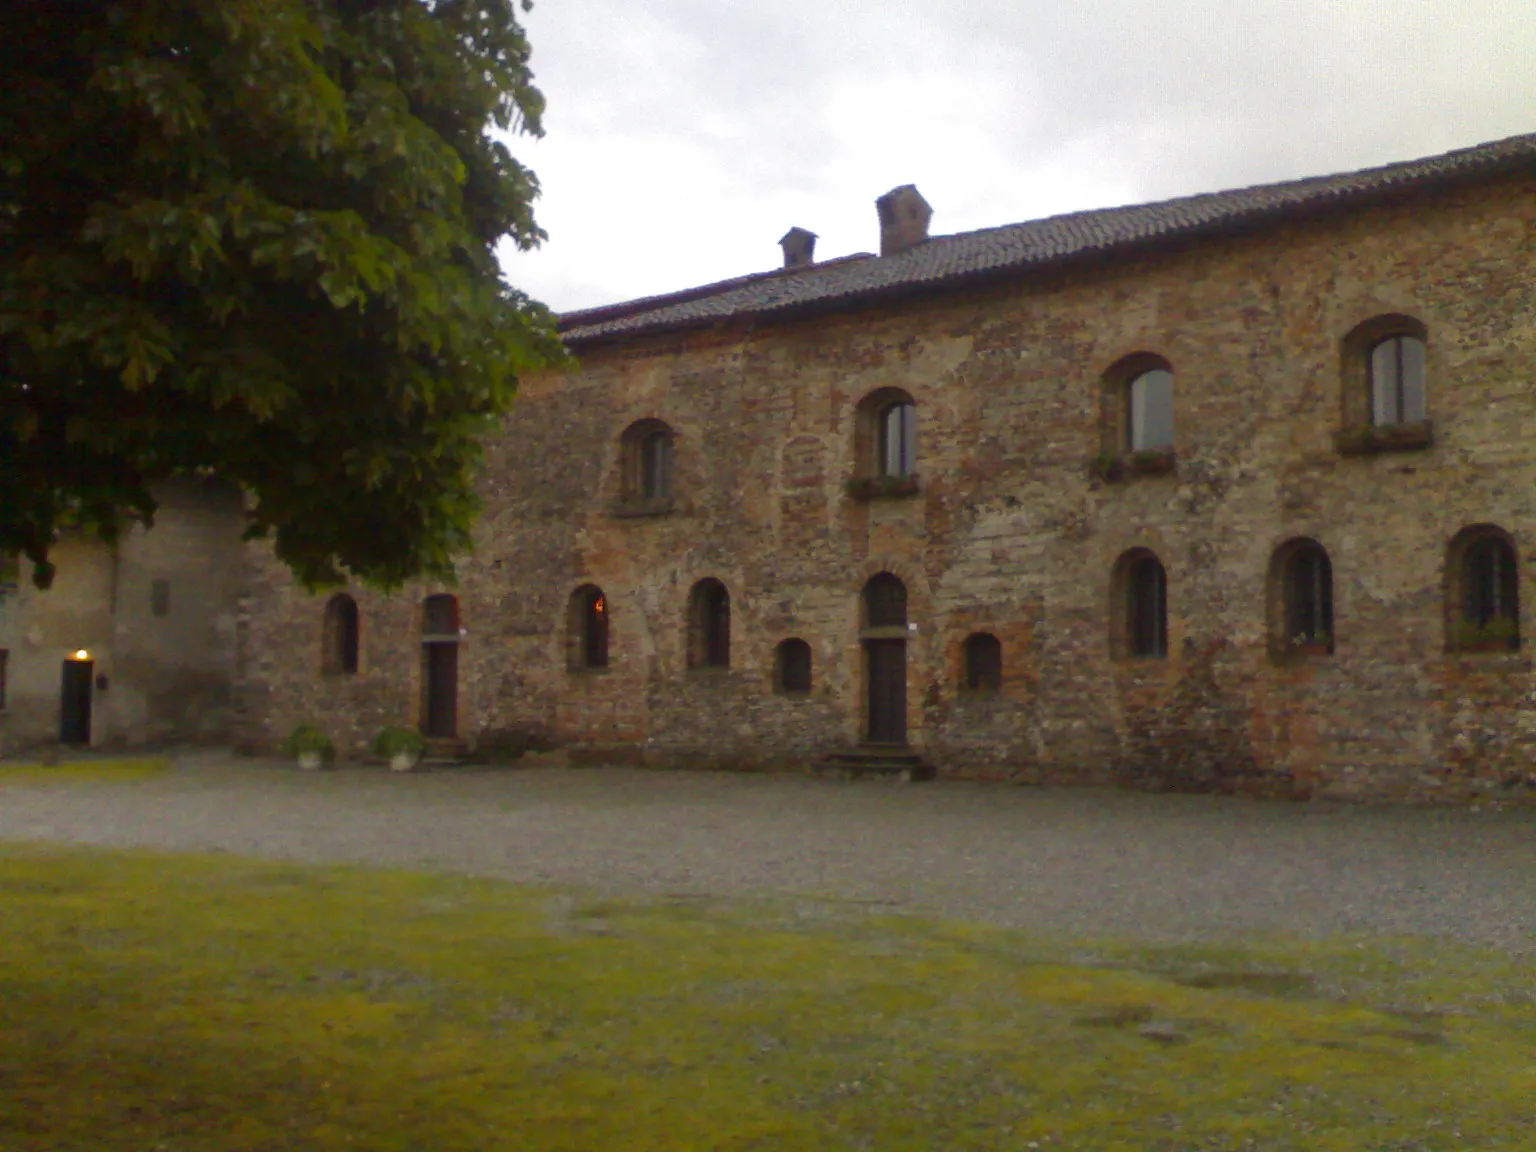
[{"x": 255, "y": 239}]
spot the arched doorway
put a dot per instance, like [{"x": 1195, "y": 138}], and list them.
[
  {"x": 884, "y": 637},
  {"x": 440, "y": 666}
]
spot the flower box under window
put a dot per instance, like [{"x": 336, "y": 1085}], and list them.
[
  {"x": 632, "y": 509},
  {"x": 1370, "y": 439},
  {"x": 883, "y": 487},
  {"x": 1148, "y": 462}
]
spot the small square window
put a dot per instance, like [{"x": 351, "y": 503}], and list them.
[{"x": 160, "y": 597}]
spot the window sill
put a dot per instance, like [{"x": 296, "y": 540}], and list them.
[
  {"x": 1485, "y": 648},
  {"x": 883, "y": 487},
  {"x": 795, "y": 694},
  {"x": 1118, "y": 468},
  {"x": 1300, "y": 653},
  {"x": 590, "y": 670},
  {"x": 1140, "y": 664},
  {"x": 1374, "y": 439},
  {"x": 636, "y": 509}
]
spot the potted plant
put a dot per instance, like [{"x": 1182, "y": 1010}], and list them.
[
  {"x": 402, "y": 747},
  {"x": 310, "y": 746},
  {"x": 1107, "y": 466}
]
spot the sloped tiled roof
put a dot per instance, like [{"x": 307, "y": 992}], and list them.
[{"x": 943, "y": 260}]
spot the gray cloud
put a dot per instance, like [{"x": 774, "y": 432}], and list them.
[{"x": 686, "y": 135}]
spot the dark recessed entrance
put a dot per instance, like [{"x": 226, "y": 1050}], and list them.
[
  {"x": 75, "y": 702},
  {"x": 884, "y": 635},
  {"x": 440, "y": 667},
  {"x": 887, "y": 691}
]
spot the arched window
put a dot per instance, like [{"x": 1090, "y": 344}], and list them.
[
  {"x": 1397, "y": 365},
  {"x": 587, "y": 629},
  {"x": 983, "y": 662},
  {"x": 1302, "y": 583},
  {"x": 885, "y": 450},
  {"x": 885, "y": 602},
  {"x": 1484, "y": 591},
  {"x": 1149, "y": 411},
  {"x": 709, "y": 625},
  {"x": 339, "y": 636},
  {"x": 898, "y": 439},
  {"x": 1140, "y": 616},
  {"x": 646, "y": 449},
  {"x": 1385, "y": 367},
  {"x": 792, "y": 667}
]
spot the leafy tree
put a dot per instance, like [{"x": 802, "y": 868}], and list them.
[{"x": 255, "y": 239}]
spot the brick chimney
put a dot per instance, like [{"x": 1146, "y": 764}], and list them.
[
  {"x": 904, "y": 216},
  {"x": 799, "y": 248}
]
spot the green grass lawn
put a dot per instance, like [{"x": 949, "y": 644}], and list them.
[
  {"x": 82, "y": 771},
  {"x": 190, "y": 1004}
]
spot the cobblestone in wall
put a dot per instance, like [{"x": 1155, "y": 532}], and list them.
[{"x": 1011, "y": 532}]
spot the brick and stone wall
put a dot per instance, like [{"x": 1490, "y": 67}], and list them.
[{"x": 1011, "y": 531}]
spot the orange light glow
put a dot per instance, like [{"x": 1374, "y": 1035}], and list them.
[
  {"x": 81, "y": 654},
  {"x": 600, "y": 605}
]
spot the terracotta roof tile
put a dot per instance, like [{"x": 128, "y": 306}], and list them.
[{"x": 1038, "y": 243}]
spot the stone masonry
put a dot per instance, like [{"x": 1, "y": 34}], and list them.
[{"x": 1012, "y": 529}]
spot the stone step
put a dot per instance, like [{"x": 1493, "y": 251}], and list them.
[
  {"x": 443, "y": 751},
  {"x": 890, "y": 762}
]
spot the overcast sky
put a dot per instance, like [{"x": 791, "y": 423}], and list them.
[{"x": 684, "y": 137}]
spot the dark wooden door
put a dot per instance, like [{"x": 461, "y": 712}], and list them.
[
  {"x": 75, "y": 702},
  {"x": 442, "y": 689},
  {"x": 887, "y": 676}
]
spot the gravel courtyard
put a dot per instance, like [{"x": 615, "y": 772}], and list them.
[{"x": 1090, "y": 863}]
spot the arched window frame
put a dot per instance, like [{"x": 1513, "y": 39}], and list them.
[
  {"x": 648, "y": 451},
  {"x": 340, "y": 636},
  {"x": 982, "y": 663},
  {"x": 709, "y": 625},
  {"x": 588, "y": 629},
  {"x": 885, "y": 446},
  {"x": 1139, "y": 424},
  {"x": 792, "y": 667},
  {"x": 1387, "y": 376},
  {"x": 1139, "y": 607},
  {"x": 1301, "y": 606},
  {"x": 1483, "y": 591},
  {"x": 884, "y": 602}
]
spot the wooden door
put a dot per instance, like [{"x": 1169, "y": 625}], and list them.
[
  {"x": 887, "y": 683},
  {"x": 441, "y": 659},
  {"x": 75, "y": 702}
]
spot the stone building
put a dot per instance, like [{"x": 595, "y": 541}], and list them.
[
  {"x": 1231, "y": 492},
  {"x": 135, "y": 642}
]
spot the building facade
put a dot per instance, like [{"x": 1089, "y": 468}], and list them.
[
  {"x": 135, "y": 641},
  {"x": 1234, "y": 493}
]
